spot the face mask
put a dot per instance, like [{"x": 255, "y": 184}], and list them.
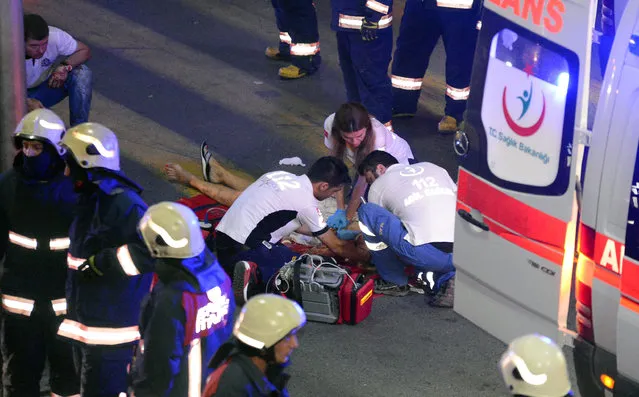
[{"x": 40, "y": 167}]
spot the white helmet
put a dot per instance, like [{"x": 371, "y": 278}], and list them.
[
  {"x": 535, "y": 366},
  {"x": 93, "y": 146},
  {"x": 40, "y": 125},
  {"x": 266, "y": 319},
  {"x": 171, "y": 230}
]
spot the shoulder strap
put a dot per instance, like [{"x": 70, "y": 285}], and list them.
[
  {"x": 213, "y": 382},
  {"x": 296, "y": 288}
]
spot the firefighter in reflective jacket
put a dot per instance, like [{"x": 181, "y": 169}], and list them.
[
  {"x": 299, "y": 38},
  {"x": 36, "y": 210},
  {"x": 364, "y": 30},
  {"x": 109, "y": 267},
  {"x": 252, "y": 363},
  {"x": 534, "y": 366},
  {"x": 189, "y": 313},
  {"x": 423, "y": 23}
]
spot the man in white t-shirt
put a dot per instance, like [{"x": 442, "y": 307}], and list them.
[
  {"x": 55, "y": 68},
  {"x": 248, "y": 238},
  {"x": 409, "y": 220}
]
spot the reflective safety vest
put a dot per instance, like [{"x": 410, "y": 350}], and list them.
[
  {"x": 460, "y": 4},
  {"x": 123, "y": 257},
  {"x": 205, "y": 314},
  {"x": 355, "y": 22},
  {"x": 55, "y": 244},
  {"x": 107, "y": 336},
  {"x": 207, "y": 321},
  {"x": 348, "y": 15},
  {"x": 101, "y": 335},
  {"x": 23, "y": 306}
]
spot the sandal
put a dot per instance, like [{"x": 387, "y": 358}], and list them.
[{"x": 205, "y": 156}]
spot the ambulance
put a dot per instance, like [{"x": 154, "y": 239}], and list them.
[{"x": 546, "y": 238}]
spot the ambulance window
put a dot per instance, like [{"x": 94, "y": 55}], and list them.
[
  {"x": 632, "y": 228},
  {"x": 527, "y": 112}
]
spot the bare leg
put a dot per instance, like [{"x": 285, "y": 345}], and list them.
[
  {"x": 218, "y": 192},
  {"x": 219, "y": 174}
]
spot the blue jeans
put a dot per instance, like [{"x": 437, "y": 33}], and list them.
[
  {"x": 390, "y": 252},
  {"x": 78, "y": 88}
]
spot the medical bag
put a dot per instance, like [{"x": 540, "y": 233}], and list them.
[{"x": 328, "y": 293}]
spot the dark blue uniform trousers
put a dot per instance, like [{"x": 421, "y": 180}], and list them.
[
  {"x": 419, "y": 32},
  {"x": 299, "y": 19},
  {"x": 365, "y": 68}
]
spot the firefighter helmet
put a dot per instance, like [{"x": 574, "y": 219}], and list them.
[
  {"x": 535, "y": 366},
  {"x": 266, "y": 319},
  {"x": 171, "y": 230},
  {"x": 40, "y": 125},
  {"x": 93, "y": 146}
]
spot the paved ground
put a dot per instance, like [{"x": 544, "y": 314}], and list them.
[{"x": 170, "y": 73}]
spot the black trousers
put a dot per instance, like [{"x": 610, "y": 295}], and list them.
[
  {"x": 104, "y": 369},
  {"x": 27, "y": 341}
]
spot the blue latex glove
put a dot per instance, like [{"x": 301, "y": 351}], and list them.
[
  {"x": 337, "y": 220},
  {"x": 345, "y": 234}
]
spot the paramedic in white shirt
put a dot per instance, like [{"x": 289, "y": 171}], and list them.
[
  {"x": 409, "y": 220},
  {"x": 55, "y": 68},
  {"x": 248, "y": 238},
  {"x": 352, "y": 133}
]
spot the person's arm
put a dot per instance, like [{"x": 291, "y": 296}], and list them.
[
  {"x": 356, "y": 197},
  {"x": 344, "y": 248},
  {"x": 76, "y": 54},
  {"x": 375, "y": 9},
  {"x": 163, "y": 349},
  {"x": 339, "y": 198},
  {"x": 81, "y": 55},
  {"x": 129, "y": 259}
]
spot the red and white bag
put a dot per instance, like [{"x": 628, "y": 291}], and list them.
[{"x": 328, "y": 293}]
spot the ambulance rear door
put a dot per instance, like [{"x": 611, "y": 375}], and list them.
[
  {"x": 608, "y": 213},
  {"x": 515, "y": 229},
  {"x": 627, "y": 382}
]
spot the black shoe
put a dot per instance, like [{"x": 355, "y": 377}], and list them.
[
  {"x": 390, "y": 289},
  {"x": 443, "y": 295}
]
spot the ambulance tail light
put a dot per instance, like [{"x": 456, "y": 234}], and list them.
[{"x": 583, "y": 295}]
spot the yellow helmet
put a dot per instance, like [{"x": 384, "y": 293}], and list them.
[
  {"x": 535, "y": 366},
  {"x": 93, "y": 146},
  {"x": 41, "y": 125},
  {"x": 266, "y": 319},
  {"x": 171, "y": 230}
]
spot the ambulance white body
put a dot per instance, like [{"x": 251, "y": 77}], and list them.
[{"x": 521, "y": 220}]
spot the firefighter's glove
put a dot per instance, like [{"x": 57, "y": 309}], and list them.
[
  {"x": 369, "y": 30},
  {"x": 89, "y": 270},
  {"x": 337, "y": 220},
  {"x": 345, "y": 234}
]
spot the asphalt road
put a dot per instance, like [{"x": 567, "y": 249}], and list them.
[{"x": 171, "y": 73}]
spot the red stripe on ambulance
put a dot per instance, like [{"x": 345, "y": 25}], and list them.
[
  {"x": 510, "y": 219},
  {"x": 510, "y": 212}
]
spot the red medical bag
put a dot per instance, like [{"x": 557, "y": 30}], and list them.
[{"x": 355, "y": 300}]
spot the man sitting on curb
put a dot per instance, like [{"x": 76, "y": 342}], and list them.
[
  {"x": 272, "y": 207},
  {"x": 55, "y": 69},
  {"x": 409, "y": 220}
]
